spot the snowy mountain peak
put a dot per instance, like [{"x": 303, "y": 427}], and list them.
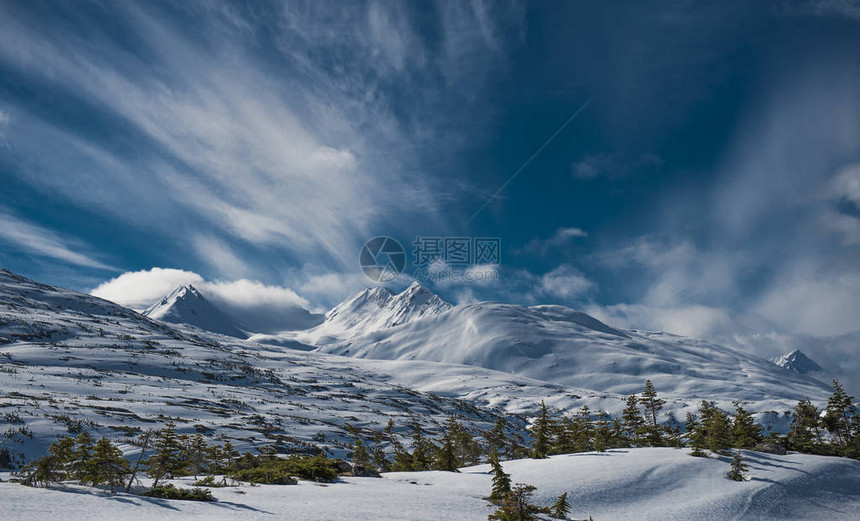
[
  {"x": 377, "y": 308},
  {"x": 186, "y": 305},
  {"x": 798, "y": 362}
]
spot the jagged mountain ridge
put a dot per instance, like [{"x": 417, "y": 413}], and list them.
[
  {"x": 371, "y": 309},
  {"x": 186, "y": 305}
]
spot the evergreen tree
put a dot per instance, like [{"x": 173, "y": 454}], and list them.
[
  {"x": 738, "y": 468},
  {"x": 516, "y": 506},
  {"x": 497, "y": 440},
  {"x": 718, "y": 435},
  {"x": 83, "y": 452},
  {"x": 421, "y": 449},
  {"x": 561, "y": 508},
  {"x": 561, "y": 439},
  {"x": 43, "y": 471},
  {"x": 599, "y": 442},
  {"x": 63, "y": 451},
  {"x": 695, "y": 436},
  {"x": 360, "y": 457},
  {"x": 839, "y": 415},
  {"x": 402, "y": 461},
  {"x": 501, "y": 480},
  {"x": 651, "y": 405},
  {"x": 196, "y": 454},
  {"x": 582, "y": 433},
  {"x": 380, "y": 460},
  {"x": 804, "y": 434},
  {"x": 467, "y": 450},
  {"x": 227, "y": 456},
  {"x": 632, "y": 422},
  {"x": 167, "y": 460},
  {"x": 745, "y": 432},
  {"x": 107, "y": 466},
  {"x": 541, "y": 429},
  {"x": 603, "y": 432},
  {"x": 446, "y": 459}
]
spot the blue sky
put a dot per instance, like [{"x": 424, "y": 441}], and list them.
[{"x": 711, "y": 187}]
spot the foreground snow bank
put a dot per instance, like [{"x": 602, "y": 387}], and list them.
[{"x": 638, "y": 484}]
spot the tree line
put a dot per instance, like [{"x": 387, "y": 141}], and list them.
[{"x": 165, "y": 454}]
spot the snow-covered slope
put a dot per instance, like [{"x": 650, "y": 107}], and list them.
[
  {"x": 562, "y": 346},
  {"x": 70, "y": 361},
  {"x": 798, "y": 362},
  {"x": 619, "y": 485},
  {"x": 186, "y": 305}
]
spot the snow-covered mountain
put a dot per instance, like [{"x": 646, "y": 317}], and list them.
[
  {"x": 565, "y": 347},
  {"x": 72, "y": 362},
  {"x": 370, "y": 310},
  {"x": 186, "y": 305},
  {"x": 798, "y": 362}
]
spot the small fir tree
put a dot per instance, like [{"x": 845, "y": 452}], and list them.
[
  {"x": 80, "y": 464},
  {"x": 804, "y": 434},
  {"x": 380, "y": 460},
  {"x": 517, "y": 506},
  {"x": 632, "y": 422},
  {"x": 501, "y": 480},
  {"x": 541, "y": 429},
  {"x": 167, "y": 460},
  {"x": 839, "y": 415},
  {"x": 107, "y": 466},
  {"x": 360, "y": 457},
  {"x": 695, "y": 435},
  {"x": 561, "y": 508},
  {"x": 745, "y": 432},
  {"x": 446, "y": 459},
  {"x": 718, "y": 434},
  {"x": 43, "y": 472},
  {"x": 736, "y": 473},
  {"x": 651, "y": 405},
  {"x": 496, "y": 438}
]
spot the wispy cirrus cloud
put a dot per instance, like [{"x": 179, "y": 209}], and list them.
[
  {"x": 40, "y": 241},
  {"x": 261, "y": 126}
]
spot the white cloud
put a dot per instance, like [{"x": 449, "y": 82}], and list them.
[
  {"x": 257, "y": 306},
  {"x": 694, "y": 321},
  {"x": 565, "y": 282},
  {"x": 811, "y": 299},
  {"x": 846, "y": 183},
  {"x": 561, "y": 237},
  {"x": 139, "y": 289},
  {"x": 46, "y": 243}
]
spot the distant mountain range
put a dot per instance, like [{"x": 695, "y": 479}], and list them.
[{"x": 553, "y": 344}]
